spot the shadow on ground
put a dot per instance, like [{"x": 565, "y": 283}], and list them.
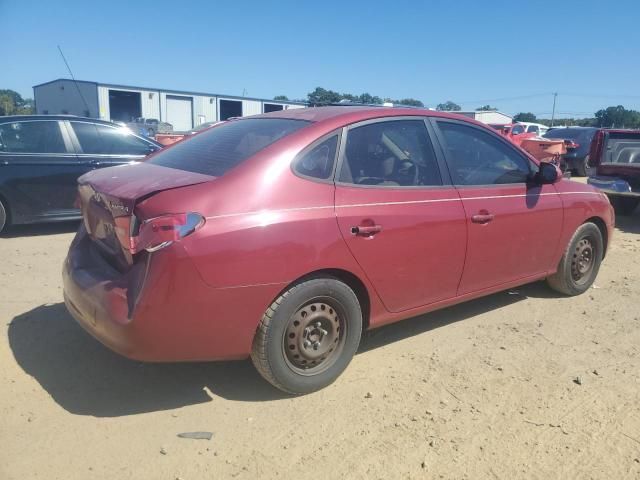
[
  {"x": 38, "y": 229},
  {"x": 86, "y": 378}
]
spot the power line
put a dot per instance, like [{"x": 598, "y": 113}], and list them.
[{"x": 505, "y": 99}]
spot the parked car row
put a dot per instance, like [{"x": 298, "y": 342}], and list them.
[
  {"x": 281, "y": 237},
  {"x": 42, "y": 156}
]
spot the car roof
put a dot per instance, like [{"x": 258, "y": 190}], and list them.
[
  {"x": 350, "y": 114},
  {"x": 20, "y": 118}
]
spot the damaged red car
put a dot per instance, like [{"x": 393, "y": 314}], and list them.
[{"x": 281, "y": 237}]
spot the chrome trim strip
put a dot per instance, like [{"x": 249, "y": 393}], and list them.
[{"x": 383, "y": 204}]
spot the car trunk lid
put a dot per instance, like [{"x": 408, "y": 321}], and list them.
[{"x": 108, "y": 198}]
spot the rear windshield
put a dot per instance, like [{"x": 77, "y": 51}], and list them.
[
  {"x": 216, "y": 151},
  {"x": 622, "y": 148}
]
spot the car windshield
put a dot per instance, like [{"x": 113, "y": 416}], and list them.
[
  {"x": 218, "y": 150},
  {"x": 570, "y": 133}
]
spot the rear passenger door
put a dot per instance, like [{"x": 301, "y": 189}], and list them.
[
  {"x": 39, "y": 169},
  {"x": 105, "y": 145},
  {"x": 513, "y": 225},
  {"x": 397, "y": 211}
]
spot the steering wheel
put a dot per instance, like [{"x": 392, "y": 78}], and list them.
[{"x": 370, "y": 180}]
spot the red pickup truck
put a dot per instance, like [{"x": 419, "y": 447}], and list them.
[{"x": 616, "y": 156}]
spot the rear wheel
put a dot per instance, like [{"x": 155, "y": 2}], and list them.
[
  {"x": 624, "y": 205},
  {"x": 582, "y": 167},
  {"x": 308, "y": 335},
  {"x": 580, "y": 263},
  {"x": 3, "y": 217}
]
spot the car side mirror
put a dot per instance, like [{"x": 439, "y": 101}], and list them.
[{"x": 547, "y": 173}]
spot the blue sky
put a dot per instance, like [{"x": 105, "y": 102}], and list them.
[{"x": 473, "y": 52}]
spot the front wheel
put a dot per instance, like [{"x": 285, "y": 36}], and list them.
[
  {"x": 582, "y": 167},
  {"x": 3, "y": 217},
  {"x": 308, "y": 335},
  {"x": 580, "y": 263}
]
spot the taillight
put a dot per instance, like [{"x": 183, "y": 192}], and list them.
[{"x": 160, "y": 232}]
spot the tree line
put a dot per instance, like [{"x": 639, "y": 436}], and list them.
[
  {"x": 610, "y": 117},
  {"x": 321, "y": 96}
]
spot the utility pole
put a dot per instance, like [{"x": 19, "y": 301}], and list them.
[{"x": 553, "y": 112}]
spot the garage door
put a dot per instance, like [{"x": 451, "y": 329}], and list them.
[{"x": 180, "y": 112}]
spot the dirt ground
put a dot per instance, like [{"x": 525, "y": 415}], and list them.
[{"x": 521, "y": 384}]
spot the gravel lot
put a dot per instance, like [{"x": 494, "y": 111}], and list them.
[{"x": 521, "y": 384}]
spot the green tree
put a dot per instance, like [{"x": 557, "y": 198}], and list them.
[
  {"x": 486, "y": 108},
  {"x": 320, "y": 97},
  {"x": 448, "y": 106},
  {"x": 525, "y": 117},
  {"x": 281, "y": 98},
  {"x": 12, "y": 103},
  {"x": 412, "y": 102},
  {"x": 618, "y": 117}
]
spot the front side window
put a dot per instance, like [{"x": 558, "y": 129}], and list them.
[
  {"x": 318, "y": 162},
  {"x": 219, "y": 149},
  {"x": 32, "y": 137},
  {"x": 105, "y": 140},
  {"x": 390, "y": 153},
  {"x": 478, "y": 158},
  {"x": 533, "y": 129}
]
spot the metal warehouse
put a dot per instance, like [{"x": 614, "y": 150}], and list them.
[
  {"x": 487, "y": 116},
  {"x": 184, "y": 110}
]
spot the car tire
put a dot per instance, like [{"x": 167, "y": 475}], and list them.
[
  {"x": 3, "y": 217},
  {"x": 624, "y": 205},
  {"x": 308, "y": 335},
  {"x": 580, "y": 262},
  {"x": 582, "y": 167}
]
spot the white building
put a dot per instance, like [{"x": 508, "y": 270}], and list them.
[
  {"x": 488, "y": 116},
  {"x": 184, "y": 110}
]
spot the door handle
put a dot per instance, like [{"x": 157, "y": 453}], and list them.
[
  {"x": 483, "y": 217},
  {"x": 366, "y": 230}
]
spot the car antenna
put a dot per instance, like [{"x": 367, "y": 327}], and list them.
[{"x": 75, "y": 82}]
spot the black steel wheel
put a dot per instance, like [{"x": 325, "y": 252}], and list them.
[
  {"x": 3, "y": 217},
  {"x": 580, "y": 263},
  {"x": 308, "y": 335},
  {"x": 582, "y": 167}
]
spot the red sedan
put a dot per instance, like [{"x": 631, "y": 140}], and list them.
[{"x": 283, "y": 236}]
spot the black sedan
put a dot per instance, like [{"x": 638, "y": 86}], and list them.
[
  {"x": 41, "y": 157},
  {"x": 577, "y": 156}
]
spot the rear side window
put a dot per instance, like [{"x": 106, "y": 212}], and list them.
[
  {"x": 104, "y": 140},
  {"x": 318, "y": 162},
  {"x": 32, "y": 137},
  {"x": 533, "y": 129},
  {"x": 622, "y": 148},
  {"x": 218, "y": 150},
  {"x": 395, "y": 153}
]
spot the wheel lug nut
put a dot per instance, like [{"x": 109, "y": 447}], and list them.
[
  {"x": 318, "y": 324},
  {"x": 306, "y": 344}
]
